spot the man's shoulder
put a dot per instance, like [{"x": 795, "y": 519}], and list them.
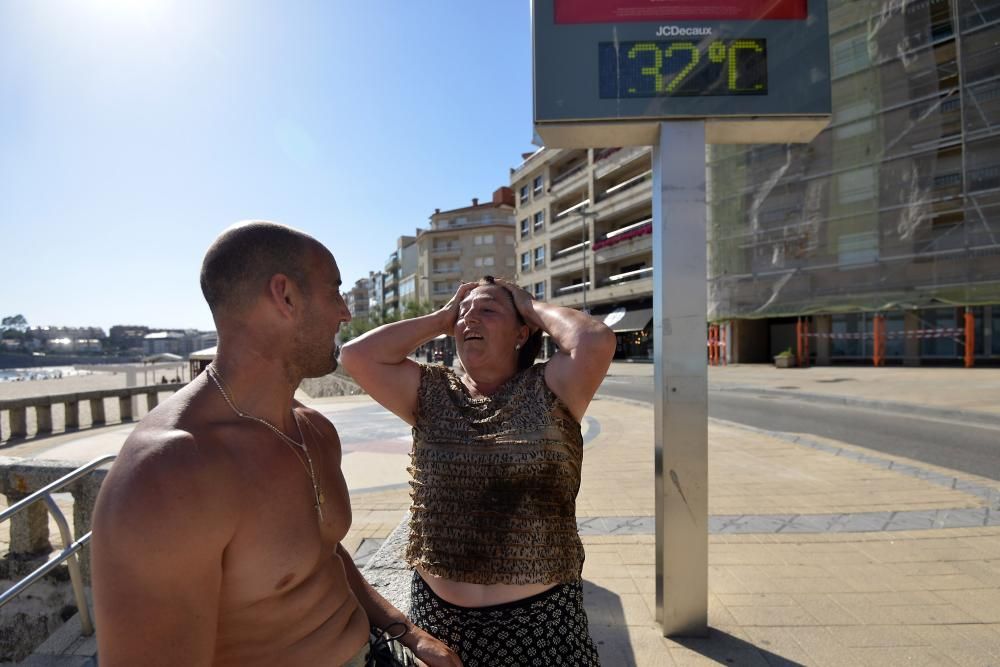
[
  {"x": 317, "y": 420},
  {"x": 168, "y": 466}
]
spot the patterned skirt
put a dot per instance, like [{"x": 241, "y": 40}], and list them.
[{"x": 546, "y": 629}]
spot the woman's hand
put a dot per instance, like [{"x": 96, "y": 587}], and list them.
[
  {"x": 448, "y": 314},
  {"x": 431, "y": 651},
  {"x": 524, "y": 303}
]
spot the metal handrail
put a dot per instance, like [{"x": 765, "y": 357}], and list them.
[{"x": 70, "y": 549}]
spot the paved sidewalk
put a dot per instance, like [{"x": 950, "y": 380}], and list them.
[
  {"x": 954, "y": 392},
  {"x": 820, "y": 553}
]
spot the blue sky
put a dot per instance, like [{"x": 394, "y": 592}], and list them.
[{"x": 133, "y": 131}]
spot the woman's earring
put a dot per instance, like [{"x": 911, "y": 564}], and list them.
[{"x": 517, "y": 347}]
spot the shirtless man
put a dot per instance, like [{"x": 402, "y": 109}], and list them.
[{"x": 217, "y": 532}]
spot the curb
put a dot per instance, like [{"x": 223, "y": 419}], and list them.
[{"x": 972, "y": 416}]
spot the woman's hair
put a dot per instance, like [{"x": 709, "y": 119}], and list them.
[{"x": 529, "y": 351}]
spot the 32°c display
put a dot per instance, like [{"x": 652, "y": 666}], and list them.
[{"x": 682, "y": 68}]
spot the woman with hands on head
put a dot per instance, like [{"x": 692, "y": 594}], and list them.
[{"x": 496, "y": 464}]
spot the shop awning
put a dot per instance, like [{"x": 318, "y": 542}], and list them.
[{"x": 621, "y": 320}]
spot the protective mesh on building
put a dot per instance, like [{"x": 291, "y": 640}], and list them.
[{"x": 897, "y": 203}]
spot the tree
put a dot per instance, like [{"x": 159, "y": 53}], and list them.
[
  {"x": 413, "y": 309},
  {"x": 15, "y": 323}
]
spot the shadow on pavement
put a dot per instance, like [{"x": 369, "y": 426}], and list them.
[
  {"x": 608, "y": 627},
  {"x": 726, "y": 649}
]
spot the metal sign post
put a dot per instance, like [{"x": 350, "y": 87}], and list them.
[
  {"x": 676, "y": 75},
  {"x": 680, "y": 428}
]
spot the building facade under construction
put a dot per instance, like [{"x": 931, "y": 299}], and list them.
[{"x": 881, "y": 238}]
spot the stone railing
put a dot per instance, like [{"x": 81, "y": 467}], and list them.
[
  {"x": 29, "y": 529},
  {"x": 17, "y": 409}
]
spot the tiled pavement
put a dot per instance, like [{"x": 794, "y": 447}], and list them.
[{"x": 820, "y": 553}]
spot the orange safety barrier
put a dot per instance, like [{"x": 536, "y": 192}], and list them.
[
  {"x": 878, "y": 340},
  {"x": 802, "y": 343},
  {"x": 880, "y": 334},
  {"x": 722, "y": 342},
  {"x": 970, "y": 338},
  {"x": 716, "y": 344}
]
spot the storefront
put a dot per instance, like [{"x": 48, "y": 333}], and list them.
[{"x": 633, "y": 327}]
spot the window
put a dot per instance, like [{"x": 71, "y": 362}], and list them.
[
  {"x": 536, "y": 185},
  {"x": 487, "y": 239},
  {"x": 853, "y": 120},
  {"x": 509, "y": 239},
  {"x": 849, "y": 56},
  {"x": 856, "y": 185},
  {"x": 484, "y": 261},
  {"x": 477, "y": 240},
  {"x": 539, "y": 220},
  {"x": 524, "y": 228},
  {"x": 524, "y": 194},
  {"x": 539, "y": 256},
  {"x": 526, "y": 261},
  {"x": 540, "y": 291},
  {"x": 859, "y": 248}
]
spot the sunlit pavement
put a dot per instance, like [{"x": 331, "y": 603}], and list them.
[{"x": 820, "y": 553}]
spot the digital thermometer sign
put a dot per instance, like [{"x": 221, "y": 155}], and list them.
[
  {"x": 607, "y": 72},
  {"x": 682, "y": 67}
]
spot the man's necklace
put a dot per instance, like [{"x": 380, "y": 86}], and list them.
[{"x": 213, "y": 373}]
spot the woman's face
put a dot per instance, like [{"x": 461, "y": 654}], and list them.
[{"x": 488, "y": 329}]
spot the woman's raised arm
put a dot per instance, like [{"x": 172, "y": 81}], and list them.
[
  {"x": 586, "y": 348},
  {"x": 377, "y": 360}
]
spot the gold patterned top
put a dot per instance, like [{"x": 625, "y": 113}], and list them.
[{"x": 494, "y": 482}]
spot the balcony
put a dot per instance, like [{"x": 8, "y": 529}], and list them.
[
  {"x": 449, "y": 250},
  {"x": 626, "y": 185},
  {"x": 610, "y": 291},
  {"x": 633, "y": 239},
  {"x": 570, "y": 178},
  {"x": 626, "y": 277},
  {"x": 626, "y": 195},
  {"x": 566, "y": 216},
  {"x": 392, "y": 263},
  {"x": 445, "y": 271},
  {"x": 569, "y": 289},
  {"x": 611, "y": 160},
  {"x": 574, "y": 255}
]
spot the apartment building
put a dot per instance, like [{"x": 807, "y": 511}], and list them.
[
  {"x": 462, "y": 245},
  {"x": 894, "y": 210},
  {"x": 398, "y": 276},
  {"x": 357, "y": 298},
  {"x": 584, "y": 236}
]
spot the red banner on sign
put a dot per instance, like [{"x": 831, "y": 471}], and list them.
[{"x": 620, "y": 11}]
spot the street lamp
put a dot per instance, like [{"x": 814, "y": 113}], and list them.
[{"x": 584, "y": 215}]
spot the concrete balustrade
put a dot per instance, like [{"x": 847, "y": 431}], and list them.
[
  {"x": 29, "y": 544},
  {"x": 41, "y": 408}
]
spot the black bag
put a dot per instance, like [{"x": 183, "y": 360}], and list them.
[{"x": 385, "y": 649}]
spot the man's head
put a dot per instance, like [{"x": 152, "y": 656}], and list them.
[
  {"x": 239, "y": 265},
  {"x": 289, "y": 274}
]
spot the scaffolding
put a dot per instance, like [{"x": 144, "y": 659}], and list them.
[{"x": 897, "y": 204}]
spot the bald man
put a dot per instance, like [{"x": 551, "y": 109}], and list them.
[{"x": 217, "y": 532}]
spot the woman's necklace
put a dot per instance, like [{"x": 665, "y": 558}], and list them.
[{"x": 213, "y": 373}]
